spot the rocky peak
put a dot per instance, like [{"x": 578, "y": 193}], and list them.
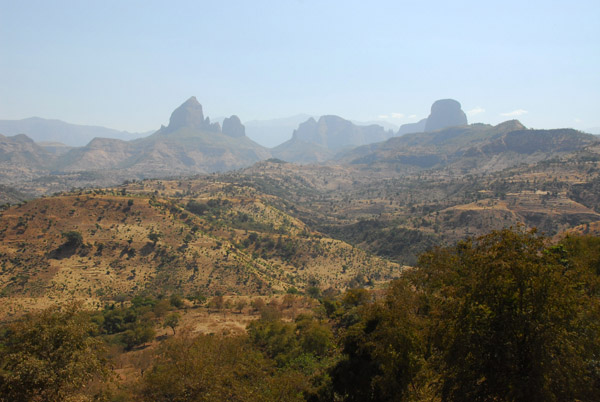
[
  {"x": 305, "y": 129},
  {"x": 233, "y": 127},
  {"x": 22, "y": 138},
  {"x": 445, "y": 113},
  {"x": 510, "y": 125},
  {"x": 188, "y": 115},
  {"x": 335, "y": 133},
  {"x": 334, "y": 121}
]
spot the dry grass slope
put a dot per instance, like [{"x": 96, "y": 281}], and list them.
[{"x": 134, "y": 241}]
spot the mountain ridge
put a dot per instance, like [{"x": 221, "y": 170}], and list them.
[
  {"x": 470, "y": 147},
  {"x": 318, "y": 140},
  {"x": 191, "y": 144},
  {"x": 53, "y": 130}
]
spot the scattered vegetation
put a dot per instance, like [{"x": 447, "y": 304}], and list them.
[
  {"x": 506, "y": 316},
  {"x": 52, "y": 356},
  {"x": 304, "y": 263}
]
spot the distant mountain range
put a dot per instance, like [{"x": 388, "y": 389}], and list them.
[
  {"x": 74, "y": 135},
  {"x": 318, "y": 141},
  {"x": 192, "y": 144},
  {"x": 274, "y": 132},
  {"x": 470, "y": 148}
]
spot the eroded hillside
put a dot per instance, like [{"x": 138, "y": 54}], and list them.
[
  {"x": 400, "y": 215},
  {"x": 163, "y": 237}
]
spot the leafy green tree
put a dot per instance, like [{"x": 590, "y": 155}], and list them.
[
  {"x": 73, "y": 242},
  {"x": 381, "y": 347},
  {"x": 241, "y": 303},
  {"x": 162, "y": 307},
  {"x": 313, "y": 291},
  {"x": 73, "y": 239},
  {"x": 258, "y": 304},
  {"x": 197, "y": 297},
  {"x": 172, "y": 321},
  {"x": 211, "y": 368},
  {"x": 277, "y": 339},
  {"x": 356, "y": 297},
  {"x": 121, "y": 298},
  {"x": 176, "y": 300},
  {"x": 583, "y": 251},
  {"x": 510, "y": 319},
  {"x": 292, "y": 291},
  {"x": 50, "y": 356},
  {"x": 314, "y": 337},
  {"x": 301, "y": 345},
  {"x": 139, "y": 334},
  {"x": 217, "y": 302},
  {"x": 154, "y": 237}
]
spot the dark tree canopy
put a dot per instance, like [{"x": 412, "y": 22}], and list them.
[
  {"x": 208, "y": 368},
  {"x": 381, "y": 349},
  {"x": 512, "y": 319}
]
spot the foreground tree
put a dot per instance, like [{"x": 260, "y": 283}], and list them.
[
  {"x": 50, "y": 356},
  {"x": 380, "y": 345},
  {"x": 212, "y": 368},
  {"x": 510, "y": 319}
]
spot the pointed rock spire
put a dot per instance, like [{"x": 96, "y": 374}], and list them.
[{"x": 189, "y": 115}]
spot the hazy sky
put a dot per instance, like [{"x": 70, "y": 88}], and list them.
[{"x": 128, "y": 64}]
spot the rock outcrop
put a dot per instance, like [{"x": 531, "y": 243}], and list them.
[
  {"x": 189, "y": 115},
  {"x": 233, "y": 127},
  {"x": 445, "y": 113},
  {"x": 335, "y": 133},
  {"x": 190, "y": 144},
  {"x": 317, "y": 141}
]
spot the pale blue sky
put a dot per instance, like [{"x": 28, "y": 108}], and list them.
[{"x": 128, "y": 64}]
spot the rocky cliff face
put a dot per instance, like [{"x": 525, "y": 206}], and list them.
[
  {"x": 335, "y": 133},
  {"x": 445, "y": 113},
  {"x": 190, "y": 115},
  {"x": 317, "y": 141},
  {"x": 233, "y": 127}
]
